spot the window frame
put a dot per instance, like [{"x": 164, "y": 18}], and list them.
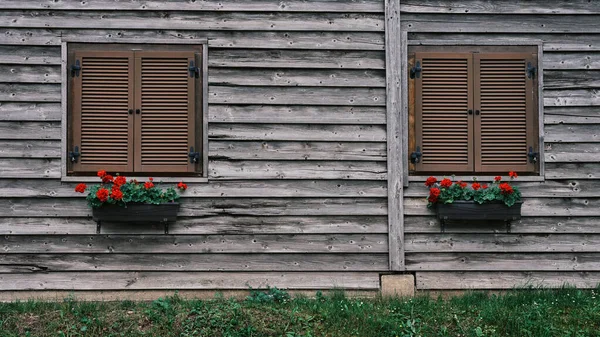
[
  {"x": 460, "y": 45},
  {"x": 200, "y": 45}
]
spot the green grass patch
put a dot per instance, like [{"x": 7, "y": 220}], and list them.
[{"x": 561, "y": 312}]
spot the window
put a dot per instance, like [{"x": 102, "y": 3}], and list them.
[
  {"x": 473, "y": 109},
  {"x": 135, "y": 109}
]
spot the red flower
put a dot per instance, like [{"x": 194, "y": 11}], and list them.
[
  {"x": 446, "y": 183},
  {"x": 484, "y": 186},
  {"x": 182, "y": 186},
  {"x": 120, "y": 181},
  {"x": 512, "y": 174},
  {"x": 101, "y": 173},
  {"x": 434, "y": 193},
  {"x": 476, "y": 186},
  {"x": 151, "y": 179},
  {"x": 505, "y": 188},
  {"x": 80, "y": 188},
  {"x": 102, "y": 194},
  {"x": 461, "y": 184},
  {"x": 498, "y": 178},
  {"x": 148, "y": 185},
  {"x": 107, "y": 179},
  {"x": 430, "y": 181},
  {"x": 116, "y": 193}
]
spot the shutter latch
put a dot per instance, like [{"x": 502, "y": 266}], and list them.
[
  {"x": 74, "y": 155},
  {"x": 533, "y": 156},
  {"x": 415, "y": 157},
  {"x": 194, "y": 71},
  {"x": 531, "y": 70},
  {"x": 194, "y": 156},
  {"x": 75, "y": 68},
  {"x": 416, "y": 70}
]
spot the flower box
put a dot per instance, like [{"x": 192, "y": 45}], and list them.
[
  {"x": 135, "y": 213},
  {"x": 462, "y": 210}
]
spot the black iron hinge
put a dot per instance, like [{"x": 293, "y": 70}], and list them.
[
  {"x": 74, "y": 155},
  {"x": 415, "y": 157},
  {"x": 194, "y": 71},
  {"x": 415, "y": 72},
  {"x": 533, "y": 156},
  {"x": 75, "y": 68},
  {"x": 531, "y": 70},
  {"x": 194, "y": 156}
]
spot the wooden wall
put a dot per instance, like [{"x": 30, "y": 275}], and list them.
[
  {"x": 297, "y": 196},
  {"x": 558, "y": 239}
]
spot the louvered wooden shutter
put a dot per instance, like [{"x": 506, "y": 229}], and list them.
[
  {"x": 505, "y": 112},
  {"x": 102, "y": 95},
  {"x": 443, "y": 125},
  {"x": 165, "y": 126}
]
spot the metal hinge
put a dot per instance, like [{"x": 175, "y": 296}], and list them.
[
  {"x": 194, "y": 156},
  {"x": 194, "y": 71},
  {"x": 531, "y": 70},
  {"x": 75, "y": 68},
  {"x": 416, "y": 70},
  {"x": 415, "y": 157},
  {"x": 74, "y": 155},
  {"x": 533, "y": 156}
]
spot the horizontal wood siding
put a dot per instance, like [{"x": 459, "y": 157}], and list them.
[
  {"x": 557, "y": 240},
  {"x": 297, "y": 196}
]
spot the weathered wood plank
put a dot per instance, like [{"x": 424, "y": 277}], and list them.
[
  {"x": 499, "y": 7},
  {"x": 572, "y": 152},
  {"x": 29, "y": 168},
  {"x": 31, "y": 263},
  {"x": 501, "y": 243},
  {"x": 30, "y": 188},
  {"x": 571, "y": 133},
  {"x": 579, "y": 97},
  {"x": 329, "y": 59},
  {"x": 571, "y": 115},
  {"x": 297, "y": 170},
  {"x": 30, "y": 130},
  {"x": 296, "y": 95},
  {"x": 295, "y": 114},
  {"x": 503, "y": 262},
  {"x": 571, "y": 79},
  {"x": 155, "y": 20},
  {"x": 274, "y": 150},
  {"x": 572, "y": 171},
  {"x": 533, "y": 225},
  {"x": 28, "y": 55},
  {"x": 571, "y": 61},
  {"x": 531, "y": 207},
  {"x": 281, "y": 225},
  {"x": 310, "y": 132},
  {"x": 505, "y": 280},
  {"x": 168, "y": 244},
  {"x": 29, "y": 92},
  {"x": 46, "y": 226},
  {"x": 201, "y": 207},
  {"x": 29, "y": 74},
  {"x": 538, "y": 23},
  {"x": 368, "y": 6},
  {"x": 29, "y": 149},
  {"x": 30, "y": 111},
  {"x": 297, "y": 77},
  {"x": 188, "y": 280}
]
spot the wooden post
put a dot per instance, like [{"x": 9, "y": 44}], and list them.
[{"x": 393, "y": 47}]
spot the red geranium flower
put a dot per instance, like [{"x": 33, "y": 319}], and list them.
[
  {"x": 80, "y": 188},
  {"x": 434, "y": 193},
  {"x": 505, "y": 188},
  {"x": 484, "y": 186},
  {"x": 102, "y": 194},
  {"x": 461, "y": 183},
  {"x": 430, "y": 181},
  {"x": 148, "y": 185},
  {"x": 498, "y": 178},
  {"x": 107, "y": 179},
  {"x": 446, "y": 183},
  {"x": 151, "y": 179},
  {"x": 120, "y": 181},
  {"x": 101, "y": 173},
  {"x": 182, "y": 186},
  {"x": 512, "y": 174},
  {"x": 476, "y": 186},
  {"x": 116, "y": 194}
]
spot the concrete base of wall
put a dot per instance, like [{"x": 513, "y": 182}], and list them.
[{"x": 401, "y": 285}]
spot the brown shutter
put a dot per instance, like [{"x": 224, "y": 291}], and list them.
[
  {"x": 505, "y": 107},
  {"x": 102, "y": 95},
  {"x": 443, "y": 126},
  {"x": 165, "y": 126}
]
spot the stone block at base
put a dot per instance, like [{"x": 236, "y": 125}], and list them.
[{"x": 397, "y": 285}]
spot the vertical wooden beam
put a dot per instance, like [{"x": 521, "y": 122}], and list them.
[
  {"x": 64, "y": 77},
  {"x": 393, "y": 61}
]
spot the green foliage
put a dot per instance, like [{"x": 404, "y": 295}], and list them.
[
  {"x": 133, "y": 192},
  {"x": 498, "y": 191},
  {"x": 271, "y": 295}
]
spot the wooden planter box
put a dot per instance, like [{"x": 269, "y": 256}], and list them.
[
  {"x": 472, "y": 211},
  {"x": 136, "y": 213}
]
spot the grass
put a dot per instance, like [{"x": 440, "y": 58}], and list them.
[{"x": 562, "y": 312}]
